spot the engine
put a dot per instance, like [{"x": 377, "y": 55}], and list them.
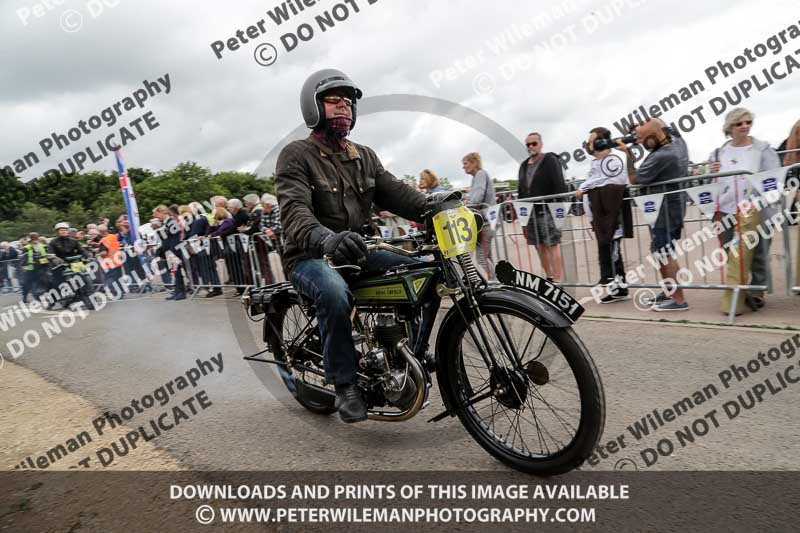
[{"x": 386, "y": 364}]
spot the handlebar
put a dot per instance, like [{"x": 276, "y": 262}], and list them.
[{"x": 379, "y": 243}]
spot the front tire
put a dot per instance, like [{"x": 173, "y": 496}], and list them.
[{"x": 533, "y": 393}]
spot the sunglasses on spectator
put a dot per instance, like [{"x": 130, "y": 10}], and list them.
[
  {"x": 534, "y": 143},
  {"x": 748, "y": 122},
  {"x": 336, "y": 99}
]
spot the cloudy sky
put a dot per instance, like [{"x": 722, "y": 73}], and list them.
[{"x": 566, "y": 67}]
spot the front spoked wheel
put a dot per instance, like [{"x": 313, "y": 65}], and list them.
[{"x": 541, "y": 408}]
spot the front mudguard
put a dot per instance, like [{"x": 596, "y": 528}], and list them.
[{"x": 541, "y": 312}]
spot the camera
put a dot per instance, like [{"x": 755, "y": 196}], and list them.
[{"x": 605, "y": 144}]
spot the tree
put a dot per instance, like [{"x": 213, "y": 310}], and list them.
[
  {"x": 188, "y": 182},
  {"x": 93, "y": 185},
  {"x": 32, "y": 218},
  {"x": 12, "y": 196},
  {"x": 81, "y": 198},
  {"x": 55, "y": 191},
  {"x": 238, "y": 184},
  {"x": 445, "y": 184},
  {"x": 139, "y": 175},
  {"x": 77, "y": 217},
  {"x": 110, "y": 205}
]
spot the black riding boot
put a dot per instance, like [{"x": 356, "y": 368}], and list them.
[{"x": 350, "y": 404}]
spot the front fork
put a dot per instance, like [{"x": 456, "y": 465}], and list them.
[{"x": 504, "y": 383}]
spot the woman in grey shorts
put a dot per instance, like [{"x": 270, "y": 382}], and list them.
[{"x": 481, "y": 196}]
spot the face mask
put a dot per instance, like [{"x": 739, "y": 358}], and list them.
[
  {"x": 340, "y": 126},
  {"x": 334, "y": 134}
]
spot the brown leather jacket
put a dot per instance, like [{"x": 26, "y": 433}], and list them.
[{"x": 316, "y": 187}]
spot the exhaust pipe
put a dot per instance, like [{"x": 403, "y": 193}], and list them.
[{"x": 422, "y": 388}]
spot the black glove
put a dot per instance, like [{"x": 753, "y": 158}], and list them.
[{"x": 345, "y": 248}]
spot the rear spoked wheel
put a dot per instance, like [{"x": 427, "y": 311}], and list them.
[
  {"x": 541, "y": 408},
  {"x": 300, "y": 347}
]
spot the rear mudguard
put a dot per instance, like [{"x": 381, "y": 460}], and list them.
[{"x": 541, "y": 312}]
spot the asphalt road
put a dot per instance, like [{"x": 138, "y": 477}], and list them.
[{"x": 134, "y": 346}]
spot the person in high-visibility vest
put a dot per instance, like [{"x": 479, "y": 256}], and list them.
[
  {"x": 34, "y": 267},
  {"x": 112, "y": 256}
]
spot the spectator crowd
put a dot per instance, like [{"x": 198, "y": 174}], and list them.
[
  {"x": 181, "y": 243},
  {"x": 187, "y": 245}
]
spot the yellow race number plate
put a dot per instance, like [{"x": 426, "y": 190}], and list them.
[{"x": 456, "y": 231}]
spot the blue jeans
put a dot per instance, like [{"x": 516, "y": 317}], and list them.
[{"x": 326, "y": 288}]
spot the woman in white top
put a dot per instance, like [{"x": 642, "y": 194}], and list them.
[
  {"x": 481, "y": 196},
  {"x": 745, "y": 153}
]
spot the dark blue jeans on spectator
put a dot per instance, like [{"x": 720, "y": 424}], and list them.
[
  {"x": 34, "y": 282},
  {"x": 329, "y": 292},
  {"x": 112, "y": 276},
  {"x": 163, "y": 268},
  {"x": 5, "y": 276}
]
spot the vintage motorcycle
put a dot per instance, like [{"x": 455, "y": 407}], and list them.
[
  {"x": 75, "y": 285},
  {"x": 507, "y": 361}
]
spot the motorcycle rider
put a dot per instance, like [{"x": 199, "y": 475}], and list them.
[
  {"x": 63, "y": 246},
  {"x": 326, "y": 185}
]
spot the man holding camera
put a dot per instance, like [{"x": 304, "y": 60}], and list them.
[
  {"x": 668, "y": 159},
  {"x": 605, "y": 186}
]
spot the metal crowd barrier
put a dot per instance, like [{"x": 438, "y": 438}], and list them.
[
  {"x": 237, "y": 261},
  {"x": 9, "y": 276},
  {"x": 577, "y": 261},
  {"x": 580, "y": 265}
]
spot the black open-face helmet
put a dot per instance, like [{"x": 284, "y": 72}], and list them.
[{"x": 324, "y": 80}]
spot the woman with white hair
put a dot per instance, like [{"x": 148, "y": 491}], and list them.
[
  {"x": 253, "y": 205},
  {"x": 746, "y": 265},
  {"x": 236, "y": 209}
]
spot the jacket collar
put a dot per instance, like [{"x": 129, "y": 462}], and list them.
[{"x": 324, "y": 151}]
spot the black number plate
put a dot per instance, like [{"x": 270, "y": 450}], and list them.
[{"x": 549, "y": 292}]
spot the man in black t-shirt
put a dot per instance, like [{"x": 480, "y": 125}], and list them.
[{"x": 541, "y": 175}]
